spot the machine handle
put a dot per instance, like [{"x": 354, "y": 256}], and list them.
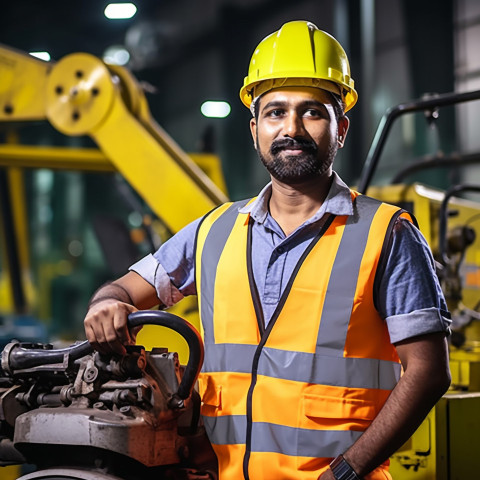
[
  {"x": 193, "y": 339},
  {"x": 16, "y": 357}
]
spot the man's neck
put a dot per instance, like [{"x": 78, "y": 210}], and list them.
[{"x": 292, "y": 205}]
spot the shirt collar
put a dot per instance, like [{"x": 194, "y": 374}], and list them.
[{"x": 337, "y": 202}]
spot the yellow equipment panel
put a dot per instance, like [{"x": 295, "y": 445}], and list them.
[{"x": 445, "y": 447}]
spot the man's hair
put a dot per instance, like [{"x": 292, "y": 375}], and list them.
[{"x": 338, "y": 106}]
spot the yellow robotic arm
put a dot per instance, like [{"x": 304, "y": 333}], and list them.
[{"x": 81, "y": 95}]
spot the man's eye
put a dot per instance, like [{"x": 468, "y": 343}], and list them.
[
  {"x": 275, "y": 113},
  {"x": 312, "y": 112}
]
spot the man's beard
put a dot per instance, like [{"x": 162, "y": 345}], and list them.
[{"x": 292, "y": 169}]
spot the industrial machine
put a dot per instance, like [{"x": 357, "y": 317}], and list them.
[
  {"x": 80, "y": 415},
  {"x": 446, "y": 445}
]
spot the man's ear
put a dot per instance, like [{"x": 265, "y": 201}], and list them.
[
  {"x": 253, "y": 131},
  {"x": 343, "y": 124}
]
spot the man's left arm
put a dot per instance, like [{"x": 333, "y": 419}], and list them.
[{"x": 426, "y": 378}]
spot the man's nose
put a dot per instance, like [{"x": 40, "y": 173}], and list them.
[{"x": 293, "y": 126}]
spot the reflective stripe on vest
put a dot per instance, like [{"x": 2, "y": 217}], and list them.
[
  {"x": 343, "y": 279},
  {"x": 303, "y": 367},
  {"x": 267, "y": 437},
  {"x": 329, "y": 396}
]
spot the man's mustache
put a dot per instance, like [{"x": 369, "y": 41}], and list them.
[{"x": 293, "y": 144}]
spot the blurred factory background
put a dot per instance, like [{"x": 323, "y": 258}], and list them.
[
  {"x": 184, "y": 53},
  {"x": 82, "y": 197}
]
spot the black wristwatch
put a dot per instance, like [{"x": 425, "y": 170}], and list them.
[{"x": 342, "y": 470}]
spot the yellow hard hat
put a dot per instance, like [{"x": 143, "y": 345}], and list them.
[{"x": 299, "y": 54}]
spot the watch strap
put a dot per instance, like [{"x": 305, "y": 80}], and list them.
[{"x": 342, "y": 470}]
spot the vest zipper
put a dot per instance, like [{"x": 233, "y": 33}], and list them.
[{"x": 261, "y": 324}]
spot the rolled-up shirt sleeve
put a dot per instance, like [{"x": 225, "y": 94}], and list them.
[
  {"x": 409, "y": 296},
  {"x": 171, "y": 269}
]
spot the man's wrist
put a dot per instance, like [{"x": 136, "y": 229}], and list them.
[
  {"x": 342, "y": 470},
  {"x": 111, "y": 291},
  {"x": 102, "y": 299}
]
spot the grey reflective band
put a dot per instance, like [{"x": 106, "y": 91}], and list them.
[
  {"x": 303, "y": 367},
  {"x": 226, "y": 430},
  {"x": 337, "y": 307},
  {"x": 229, "y": 357},
  {"x": 269, "y": 437},
  {"x": 213, "y": 248},
  {"x": 328, "y": 370}
]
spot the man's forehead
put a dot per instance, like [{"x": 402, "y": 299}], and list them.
[{"x": 296, "y": 95}]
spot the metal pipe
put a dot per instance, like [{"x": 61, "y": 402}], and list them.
[
  {"x": 455, "y": 159},
  {"x": 423, "y": 104},
  {"x": 16, "y": 357}
]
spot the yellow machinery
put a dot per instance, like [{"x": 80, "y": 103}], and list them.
[
  {"x": 81, "y": 95},
  {"x": 446, "y": 444}
]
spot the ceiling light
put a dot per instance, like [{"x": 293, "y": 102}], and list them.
[
  {"x": 116, "y": 11},
  {"x": 116, "y": 55},
  {"x": 41, "y": 55},
  {"x": 215, "y": 109}
]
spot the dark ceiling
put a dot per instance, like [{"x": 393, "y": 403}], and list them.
[
  {"x": 159, "y": 26},
  {"x": 62, "y": 26}
]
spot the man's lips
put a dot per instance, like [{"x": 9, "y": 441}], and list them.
[{"x": 293, "y": 151}]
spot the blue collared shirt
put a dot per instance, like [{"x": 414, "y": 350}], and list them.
[{"x": 409, "y": 297}]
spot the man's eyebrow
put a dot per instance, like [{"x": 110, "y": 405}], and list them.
[
  {"x": 283, "y": 104},
  {"x": 274, "y": 104}
]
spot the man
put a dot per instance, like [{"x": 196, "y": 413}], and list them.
[{"x": 312, "y": 297}]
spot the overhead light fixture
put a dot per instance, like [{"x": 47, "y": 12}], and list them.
[
  {"x": 215, "y": 109},
  {"x": 117, "y": 11},
  {"x": 116, "y": 55},
  {"x": 41, "y": 55}
]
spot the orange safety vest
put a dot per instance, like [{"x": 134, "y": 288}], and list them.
[{"x": 280, "y": 402}]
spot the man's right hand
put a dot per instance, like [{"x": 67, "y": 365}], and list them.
[
  {"x": 106, "y": 320},
  {"x": 106, "y": 326}
]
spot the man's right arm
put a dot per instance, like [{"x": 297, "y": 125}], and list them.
[
  {"x": 159, "y": 279},
  {"x": 106, "y": 320}
]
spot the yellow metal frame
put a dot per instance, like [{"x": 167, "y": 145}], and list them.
[{"x": 82, "y": 159}]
